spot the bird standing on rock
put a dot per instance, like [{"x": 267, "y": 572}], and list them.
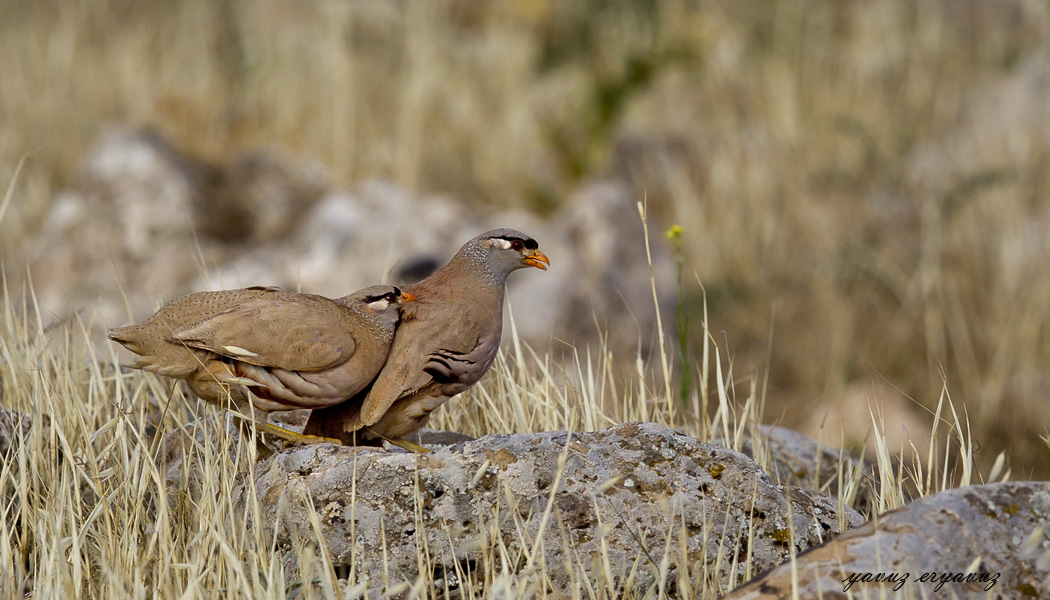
[
  {"x": 447, "y": 339},
  {"x": 267, "y": 348}
]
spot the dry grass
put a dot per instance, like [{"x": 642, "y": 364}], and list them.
[
  {"x": 843, "y": 175},
  {"x": 86, "y": 510}
]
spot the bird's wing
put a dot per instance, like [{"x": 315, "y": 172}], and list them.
[
  {"x": 297, "y": 333},
  {"x": 447, "y": 345},
  {"x": 402, "y": 375},
  {"x": 462, "y": 367}
]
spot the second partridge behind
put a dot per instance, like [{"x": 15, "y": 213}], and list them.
[{"x": 274, "y": 349}]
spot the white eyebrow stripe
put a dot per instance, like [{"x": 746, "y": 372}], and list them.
[{"x": 502, "y": 243}]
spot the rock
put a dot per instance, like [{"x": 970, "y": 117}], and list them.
[
  {"x": 185, "y": 452},
  {"x": 429, "y": 438},
  {"x": 795, "y": 460},
  {"x": 608, "y": 285},
  {"x": 997, "y": 530},
  {"x": 142, "y": 219},
  {"x": 350, "y": 240},
  {"x": 125, "y": 221},
  {"x": 626, "y": 495},
  {"x": 260, "y": 197}
]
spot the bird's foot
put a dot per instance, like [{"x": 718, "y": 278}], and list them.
[
  {"x": 407, "y": 445},
  {"x": 400, "y": 443},
  {"x": 295, "y": 438}
]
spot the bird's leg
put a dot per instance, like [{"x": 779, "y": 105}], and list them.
[
  {"x": 407, "y": 445},
  {"x": 400, "y": 443},
  {"x": 291, "y": 436},
  {"x": 261, "y": 426}
]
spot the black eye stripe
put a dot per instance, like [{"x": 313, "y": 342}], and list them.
[{"x": 529, "y": 243}]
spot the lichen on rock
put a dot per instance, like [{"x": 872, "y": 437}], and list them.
[{"x": 640, "y": 503}]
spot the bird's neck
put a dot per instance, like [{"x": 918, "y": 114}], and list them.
[{"x": 465, "y": 266}]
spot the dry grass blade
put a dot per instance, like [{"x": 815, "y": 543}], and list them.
[{"x": 105, "y": 520}]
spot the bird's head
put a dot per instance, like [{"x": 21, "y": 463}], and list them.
[
  {"x": 506, "y": 250},
  {"x": 383, "y": 300}
]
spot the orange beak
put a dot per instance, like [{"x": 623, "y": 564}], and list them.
[
  {"x": 406, "y": 297},
  {"x": 537, "y": 259}
]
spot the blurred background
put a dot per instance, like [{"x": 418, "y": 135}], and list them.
[{"x": 863, "y": 188}]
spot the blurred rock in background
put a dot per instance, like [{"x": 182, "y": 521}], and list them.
[
  {"x": 125, "y": 224},
  {"x": 143, "y": 222}
]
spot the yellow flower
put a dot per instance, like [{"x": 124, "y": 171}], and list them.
[{"x": 674, "y": 233}]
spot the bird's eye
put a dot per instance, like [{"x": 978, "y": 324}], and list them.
[{"x": 517, "y": 245}]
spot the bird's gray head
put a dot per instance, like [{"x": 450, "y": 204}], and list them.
[
  {"x": 383, "y": 300},
  {"x": 501, "y": 251}
]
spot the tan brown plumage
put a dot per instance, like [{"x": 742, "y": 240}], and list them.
[
  {"x": 274, "y": 349},
  {"x": 447, "y": 339}
]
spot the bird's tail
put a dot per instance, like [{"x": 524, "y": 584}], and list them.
[{"x": 125, "y": 336}]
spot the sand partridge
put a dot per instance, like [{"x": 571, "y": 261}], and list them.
[
  {"x": 447, "y": 339},
  {"x": 274, "y": 349}
]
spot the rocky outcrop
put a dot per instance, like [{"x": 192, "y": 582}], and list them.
[
  {"x": 636, "y": 506},
  {"x": 983, "y": 541}
]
